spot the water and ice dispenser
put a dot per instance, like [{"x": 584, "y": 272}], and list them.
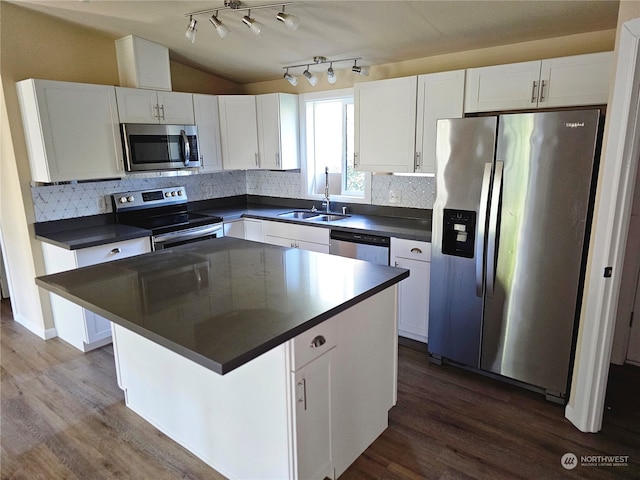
[{"x": 459, "y": 232}]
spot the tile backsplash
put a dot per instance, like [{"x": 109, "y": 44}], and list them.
[{"x": 55, "y": 202}]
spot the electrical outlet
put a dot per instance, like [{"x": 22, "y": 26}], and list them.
[{"x": 395, "y": 197}]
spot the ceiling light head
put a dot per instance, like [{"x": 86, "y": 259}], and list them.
[
  {"x": 290, "y": 78},
  {"x": 331, "y": 75},
  {"x": 359, "y": 70},
  {"x": 252, "y": 23},
  {"x": 311, "y": 78},
  {"x": 291, "y": 21},
  {"x": 220, "y": 27},
  {"x": 190, "y": 33}
]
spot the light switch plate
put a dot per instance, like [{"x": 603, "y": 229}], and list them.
[{"x": 394, "y": 196}]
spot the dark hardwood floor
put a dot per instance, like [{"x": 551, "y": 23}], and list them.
[{"x": 63, "y": 417}]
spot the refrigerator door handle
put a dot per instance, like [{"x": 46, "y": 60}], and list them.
[
  {"x": 482, "y": 222},
  {"x": 493, "y": 227}
]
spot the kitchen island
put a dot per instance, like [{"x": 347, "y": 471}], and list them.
[{"x": 264, "y": 362}]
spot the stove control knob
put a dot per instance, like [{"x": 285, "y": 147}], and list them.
[
  {"x": 122, "y": 199},
  {"x": 173, "y": 194},
  {"x": 130, "y": 198},
  {"x": 167, "y": 194},
  {"x": 179, "y": 193}
]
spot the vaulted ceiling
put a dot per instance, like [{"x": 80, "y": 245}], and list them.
[{"x": 378, "y": 31}]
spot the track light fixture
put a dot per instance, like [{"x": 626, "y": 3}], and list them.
[
  {"x": 290, "y": 78},
  {"x": 331, "y": 74},
  {"x": 190, "y": 33},
  {"x": 358, "y": 69},
  {"x": 252, "y": 23},
  {"x": 290, "y": 21},
  {"x": 220, "y": 27}
]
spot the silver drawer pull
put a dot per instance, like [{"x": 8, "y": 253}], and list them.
[
  {"x": 115, "y": 250},
  {"x": 318, "y": 342},
  {"x": 416, "y": 250}
]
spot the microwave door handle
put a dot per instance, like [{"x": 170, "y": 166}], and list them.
[
  {"x": 481, "y": 228},
  {"x": 186, "y": 148}
]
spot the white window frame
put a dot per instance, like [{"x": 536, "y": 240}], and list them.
[{"x": 304, "y": 169}]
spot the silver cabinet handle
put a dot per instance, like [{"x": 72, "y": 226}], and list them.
[
  {"x": 416, "y": 250},
  {"x": 318, "y": 341},
  {"x": 534, "y": 92},
  {"x": 257, "y": 160},
  {"x": 355, "y": 159},
  {"x": 542, "y": 85},
  {"x": 115, "y": 251},
  {"x": 277, "y": 159},
  {"x": 186, "y": 148},
  {"x": 162, "y": 108},
  {"x": 417, "y": 161},
  {"x": 303, "y": 398},
  {"x": 156, "y": 109}
]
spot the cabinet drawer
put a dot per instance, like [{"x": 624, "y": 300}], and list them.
[
  {"x": 311, "y": 344},
  {"x": 304, "y": 233},
  {"x": 401, "y": 247},
  {"x": 112, "y": 251}
]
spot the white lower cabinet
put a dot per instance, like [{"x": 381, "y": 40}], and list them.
[
  {"x": 81, "y": 328},
  {"x": 291, "y": 235},
  {"x": 247, "y": 228},
  {"x": 413, "y": 296}
]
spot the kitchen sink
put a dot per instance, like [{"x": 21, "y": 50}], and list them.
[
  {"x": 299, "y": 214},
  {"x": 330, "y": 217}
]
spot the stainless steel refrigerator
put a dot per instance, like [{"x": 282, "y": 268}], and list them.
[{"x": 512, "y": 210}]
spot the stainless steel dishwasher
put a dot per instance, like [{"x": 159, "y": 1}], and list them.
[{"x": 363, "y": 246}]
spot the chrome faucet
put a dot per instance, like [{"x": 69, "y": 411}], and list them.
[{"x": 326, "y": 202}]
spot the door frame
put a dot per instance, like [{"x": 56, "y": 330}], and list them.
[{"x": 608, "y": 241}]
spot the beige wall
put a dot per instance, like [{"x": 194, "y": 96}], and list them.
[{"x": 554, "y": 47}]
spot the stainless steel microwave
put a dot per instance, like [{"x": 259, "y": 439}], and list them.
[{"x": 159, "y": 147}]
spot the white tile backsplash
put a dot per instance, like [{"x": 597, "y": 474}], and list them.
[{"x": 56, "y": 202}]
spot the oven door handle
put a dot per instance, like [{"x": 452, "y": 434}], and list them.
[
  {"x": 186, "y": 148},
  {"x": 186, "y": 234}
]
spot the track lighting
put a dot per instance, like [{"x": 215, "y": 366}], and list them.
[
  {"x": 291, "y": 21},
  {"x": 220, "y": 27},
  {"x": 331, "y": 75},
  {"x": 191, "y": 30},
  {"x": 290, "y": 78},
  {"x": 311, "y": 78},
  {"x": 359, "y": 70},
  {"x": 252, "y": 23}
]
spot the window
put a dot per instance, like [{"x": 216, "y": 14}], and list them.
[{"x": 328, "y": 127}]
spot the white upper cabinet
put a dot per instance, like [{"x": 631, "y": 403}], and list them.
[
  {"x": 137, "y": 105},
  {"x": 143, "y": 64},
  {"x": 205, "y": 108},
  {"x": 385, "y": 116},
  {"x": 440, "y": 95},
  {"x": 557, "y": 82},
  {"x": 239, "y": 132},
  {"x": 278, "y": 131},
  {"x": 71, "y": 130},
  {"x": 395, "y": 120}
]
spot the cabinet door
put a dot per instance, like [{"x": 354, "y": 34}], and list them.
[
  {"x": 313, "y": 390},
  {"x": 71, "y": 130},
  {"x": 440, "y": 95},
  {"x": 238, "y": 132},
  {"x": 176, "y": 108},
  {"x": 253, "y": 230},
  {"x": 136, "y": 105},
  {"x": 278, "y": 131},
  {"x": 413, "y": 292},
  {"x": 205, "y": 108},
  {"x": 576, "y": 80},
  {"x": 385, "y": 125},
  {"x": 502, "y": 87}
]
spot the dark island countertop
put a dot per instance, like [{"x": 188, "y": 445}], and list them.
[{"x": 222, "y": 302}]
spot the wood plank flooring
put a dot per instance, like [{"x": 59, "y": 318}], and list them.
[{"x": 63, "y": 417}]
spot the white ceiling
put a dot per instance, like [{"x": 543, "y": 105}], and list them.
[{"x": 378, "y": 31}]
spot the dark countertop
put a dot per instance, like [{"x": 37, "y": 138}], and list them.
[
  {"x": 83, "y": 232},
  {"x": 222, "y": 302}
]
